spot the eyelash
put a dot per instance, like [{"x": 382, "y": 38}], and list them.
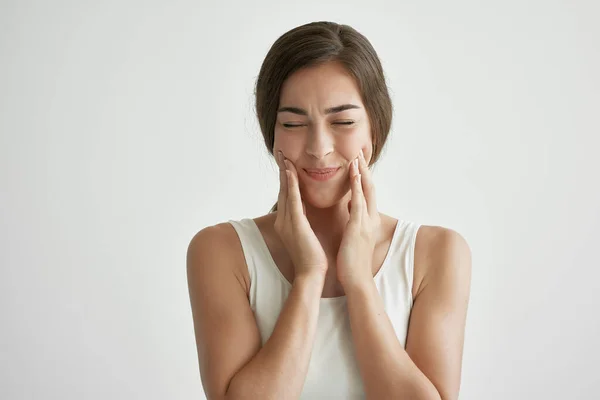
[{"x": 346, "y": 123}]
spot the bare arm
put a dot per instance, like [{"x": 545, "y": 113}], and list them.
[
  {"x": 232, "y": 363},
  {"x": 430, "y": 368}
]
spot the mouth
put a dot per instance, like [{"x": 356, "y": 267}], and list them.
[{"x": 322, "y": 174}]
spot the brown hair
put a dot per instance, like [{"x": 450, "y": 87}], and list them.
[{"x": 316, "y": 43}]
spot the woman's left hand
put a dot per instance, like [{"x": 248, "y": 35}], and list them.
[{"x": 355, "y": 256}]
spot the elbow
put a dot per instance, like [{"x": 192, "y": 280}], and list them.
[
  {"x": 432, "y": 393},
  {"x": 445, "y": 396},
  {"x": 435, "y": 395},
  {"x": 244, "y": 395}
]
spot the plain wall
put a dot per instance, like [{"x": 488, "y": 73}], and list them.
[{"x": 126, "y": 127}]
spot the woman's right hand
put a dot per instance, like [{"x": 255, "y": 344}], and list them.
[{"x": 300, "y": 241}]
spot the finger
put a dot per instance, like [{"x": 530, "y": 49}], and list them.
[
  {"x": 357, "y": 201},
  {"x": 283, "y": 184},
  {"x": 368, "y": 186},
  {"x": 294, "y": 199}
]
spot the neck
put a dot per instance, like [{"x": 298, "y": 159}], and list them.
[{"x": 329, "y": 223}]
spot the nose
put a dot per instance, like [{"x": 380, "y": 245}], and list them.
[{"x": 319, "y": 142}]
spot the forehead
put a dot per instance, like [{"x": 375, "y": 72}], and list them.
[{"x": 327, "y": 84}]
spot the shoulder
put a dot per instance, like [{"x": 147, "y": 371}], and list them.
[
  {"x": 214, "y": 237},
  {"x": 215, "y": 250},
  {"x": 442, "y": 255}
]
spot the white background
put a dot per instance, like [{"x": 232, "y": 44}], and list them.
[{"x": 128, "y": 126}]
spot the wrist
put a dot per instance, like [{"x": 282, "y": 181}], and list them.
[
  {"x": 309, "y": 284},
  {"x": 310, "y": 278},
  {"x": 358, "y": 285}
]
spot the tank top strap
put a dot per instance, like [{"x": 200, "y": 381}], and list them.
[
  {"x": 399, "y": 273},
  {"x": 251, "y": 245}
]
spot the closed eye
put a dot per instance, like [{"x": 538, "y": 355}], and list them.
[{"x": 335, "y": 123}]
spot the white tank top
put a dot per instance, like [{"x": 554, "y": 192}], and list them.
[{"x": 333, "y": 370}]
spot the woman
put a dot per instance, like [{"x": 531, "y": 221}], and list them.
[{"x": 326, "y": 297}]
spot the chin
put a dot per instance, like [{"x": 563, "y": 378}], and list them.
[{"x": 324, "y": 198}]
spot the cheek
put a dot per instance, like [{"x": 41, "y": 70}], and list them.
[
  {"x": 288, "y": 144},
  {"x": 351, "y": 147}
]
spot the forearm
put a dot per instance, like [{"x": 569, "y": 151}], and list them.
[
  {"x": 278, "y": 370},
  {"x": 386, "y": 368}
]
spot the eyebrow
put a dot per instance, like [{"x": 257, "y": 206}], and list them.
[{"x": 330, "y": 110}]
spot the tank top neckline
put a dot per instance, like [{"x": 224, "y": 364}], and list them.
[{"x": 326, "y": 300}]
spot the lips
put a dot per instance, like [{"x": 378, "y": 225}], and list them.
[
  {"x": 321, "y": 170},
  {"x": 321, "y": 174}
]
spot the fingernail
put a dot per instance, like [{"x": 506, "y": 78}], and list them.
[
  {"x": 279, "y": 155},
  {"x": 355, "y": 163},
  {"x": 287, "y": 164},
  {"x": 362, "y": 155}
]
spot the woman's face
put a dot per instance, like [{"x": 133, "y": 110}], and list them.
[{"x": 314, "y": 132}]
